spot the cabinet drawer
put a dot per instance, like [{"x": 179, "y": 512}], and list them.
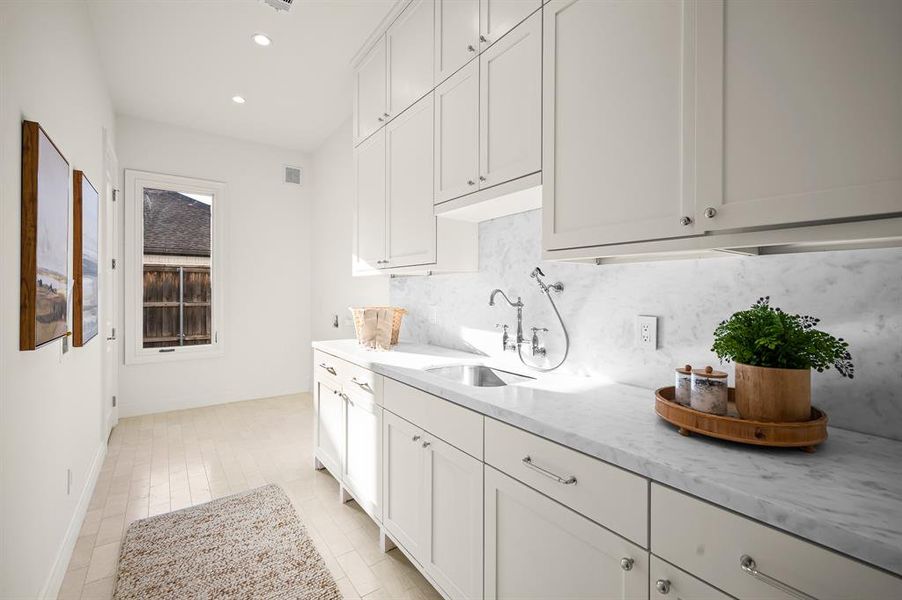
[
  {"x": 667, "y": 581},
  {"x": 456, "y": 425},
  {"x": 606, "y": 494},
  {"x": 709, "y": 542},
  {"x": 328, "y": 368},
  {"x": 364, "y": 381}
]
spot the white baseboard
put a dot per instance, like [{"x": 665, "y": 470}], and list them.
[{"x": 61, "y": 562}]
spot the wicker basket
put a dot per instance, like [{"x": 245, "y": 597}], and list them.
[{"x": 398, "y": 314}]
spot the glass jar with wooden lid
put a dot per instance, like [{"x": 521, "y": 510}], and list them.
[{"x": 709, "y": 391}]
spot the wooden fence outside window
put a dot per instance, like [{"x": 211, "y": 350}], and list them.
[{"x": 177, "y": 306}]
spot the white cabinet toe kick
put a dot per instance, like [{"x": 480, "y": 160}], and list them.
[{"x": 486, "y": 510}]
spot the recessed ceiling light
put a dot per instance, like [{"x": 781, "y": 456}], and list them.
[
  {"x": 238, "y": 99},
  {"x": 261, "y": 39}
]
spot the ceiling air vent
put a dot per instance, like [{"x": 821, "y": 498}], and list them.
[
  {"x": 280, "y": 4},
  {"x": 293, "y": 175}
]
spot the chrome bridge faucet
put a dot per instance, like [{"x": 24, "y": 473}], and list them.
[{"x": 519, "y": 306}]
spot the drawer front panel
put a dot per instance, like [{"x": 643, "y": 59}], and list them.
[
  {"x": 667, "y": 582},
  {"x": 606, "y": 494},
  {"x": 456, "y": 425},
  {"x": 361, "y": 380},
  {"x": 710, "y": 542},
  {"x": 328, "y": 368}
]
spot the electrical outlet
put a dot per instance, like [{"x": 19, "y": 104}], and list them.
[{"x": 647, "y": 327}]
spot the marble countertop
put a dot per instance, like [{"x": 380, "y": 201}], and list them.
[{"x": 846, "y": 496}]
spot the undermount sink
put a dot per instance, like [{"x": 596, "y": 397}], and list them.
[{"x": 478, "y": 375}]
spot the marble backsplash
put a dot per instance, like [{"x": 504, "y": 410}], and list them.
[{"x": 856, "y": 293}]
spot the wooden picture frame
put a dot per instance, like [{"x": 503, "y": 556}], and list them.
[
  {"x": 85, "y": 259},
  {"x": 44, "y": 274}
]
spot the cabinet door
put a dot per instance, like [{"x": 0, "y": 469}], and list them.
[
  {"x": 409, "y": 43},
  {"x": 403, "y": 483},
  {"x": 453, "y": 549},
  {"x": 510, "y": 106},
  {"x": 328, "y": 431},
  {"x": 617, "y": 157},
  {"x": 362, "y": 469},
  {"x": 370, "y": 217},
  {"x": 411, "y": 221},
  {"x": 800, "y": 117},
  {"x": 369, "y": 92},
  {"x": 456, "y": 35},
  {"x": 457, "y": 134},
  {"x": 537, "y": 548},
  {"x": 497, "y": 17},
  {"x": 669, "y": 583}
]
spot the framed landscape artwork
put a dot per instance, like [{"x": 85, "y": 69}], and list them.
[
  {"x": 43, "y": 290},
  {"x": 85, "y": 289}
]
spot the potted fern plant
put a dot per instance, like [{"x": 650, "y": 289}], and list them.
[{"x": 774, "y": 353}]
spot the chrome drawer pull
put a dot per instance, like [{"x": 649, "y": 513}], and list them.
[
  {"x": 329, "y": 369},
  {"x": 527, "y": 460},
  {"x": 361, "y": 384},
  {"x": 748, "y": 566}
]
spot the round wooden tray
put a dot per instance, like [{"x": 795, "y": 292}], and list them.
[{"x": 805, "y": 434}]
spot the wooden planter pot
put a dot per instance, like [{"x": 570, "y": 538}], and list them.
[{"x": 775, "y": 395}]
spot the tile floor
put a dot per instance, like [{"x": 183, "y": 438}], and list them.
[{"x": 164, "y": 462}]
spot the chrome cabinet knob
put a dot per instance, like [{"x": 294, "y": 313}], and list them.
[
  {"x": 386, "y": 115},
  {"x": 481, "y": 178},
  {"x": 684, "y": 221},
  {"x": 483, "y": 39},
  {"x": 416, "y": 437},
  {"x": 471, "y": 182},
  {"x": 380, "y": 119},
  {"x": 470, "y": 48},
  {"x": 710, "y": 213},
  {"x": 663, "y": 586},
  {"x": 627, "y": 564},
  {"x": 426, "y": 444}
]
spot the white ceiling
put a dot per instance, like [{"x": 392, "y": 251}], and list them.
[{"x": 181, "y": 61}]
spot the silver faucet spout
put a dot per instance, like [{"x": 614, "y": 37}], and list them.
[{"x": 496, "y": 291}]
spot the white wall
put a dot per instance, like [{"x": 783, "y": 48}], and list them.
[
  {"x": 267, "y": 271},
  {"x": 50, "y": 403},
  {"x": 855, "y": 292},
  {"x": 333, "y": 289}
]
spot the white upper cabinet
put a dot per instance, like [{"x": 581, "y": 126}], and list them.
[
  {"x": 409, "y": 46},
  {"x": 510, "y": 105},
  {"x": 800, "y": 111},
  {"x": 369, "y": 92},
  {"x": 411, "y": 220},
  {"x": 456, "y": 35},
  {"x": 618, "y": 110},
  {"x": 497, "y": 17},
  {"x": 370, "y": 207},
  {"x": 457, "y": 134},
  {"x": 537, "y": 549}
]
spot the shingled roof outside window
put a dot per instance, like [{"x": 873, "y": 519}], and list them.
[{"x": 175, "y": 224}]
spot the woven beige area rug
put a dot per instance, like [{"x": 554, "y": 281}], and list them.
[{"x": 250, "y": 545}]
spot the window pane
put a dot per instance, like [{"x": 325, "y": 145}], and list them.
[{"x": 177, "y": 285}]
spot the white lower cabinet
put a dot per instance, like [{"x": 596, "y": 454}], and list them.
[
  {"x": 362, "y": 467},
  {"x": 328, "y": 431},
  {"x": 403, "y": 464},
  {"x": 452, "y": 553},
  {"x": 433, "y": 506},
  {"x": 537, "y": 548}
]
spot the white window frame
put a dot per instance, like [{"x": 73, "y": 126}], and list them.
[{"x": 135, "y": 183}]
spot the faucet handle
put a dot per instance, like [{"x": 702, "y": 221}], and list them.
[
  {"x": 503, "y": 326},
  {"x": 535, "y": 329}
]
